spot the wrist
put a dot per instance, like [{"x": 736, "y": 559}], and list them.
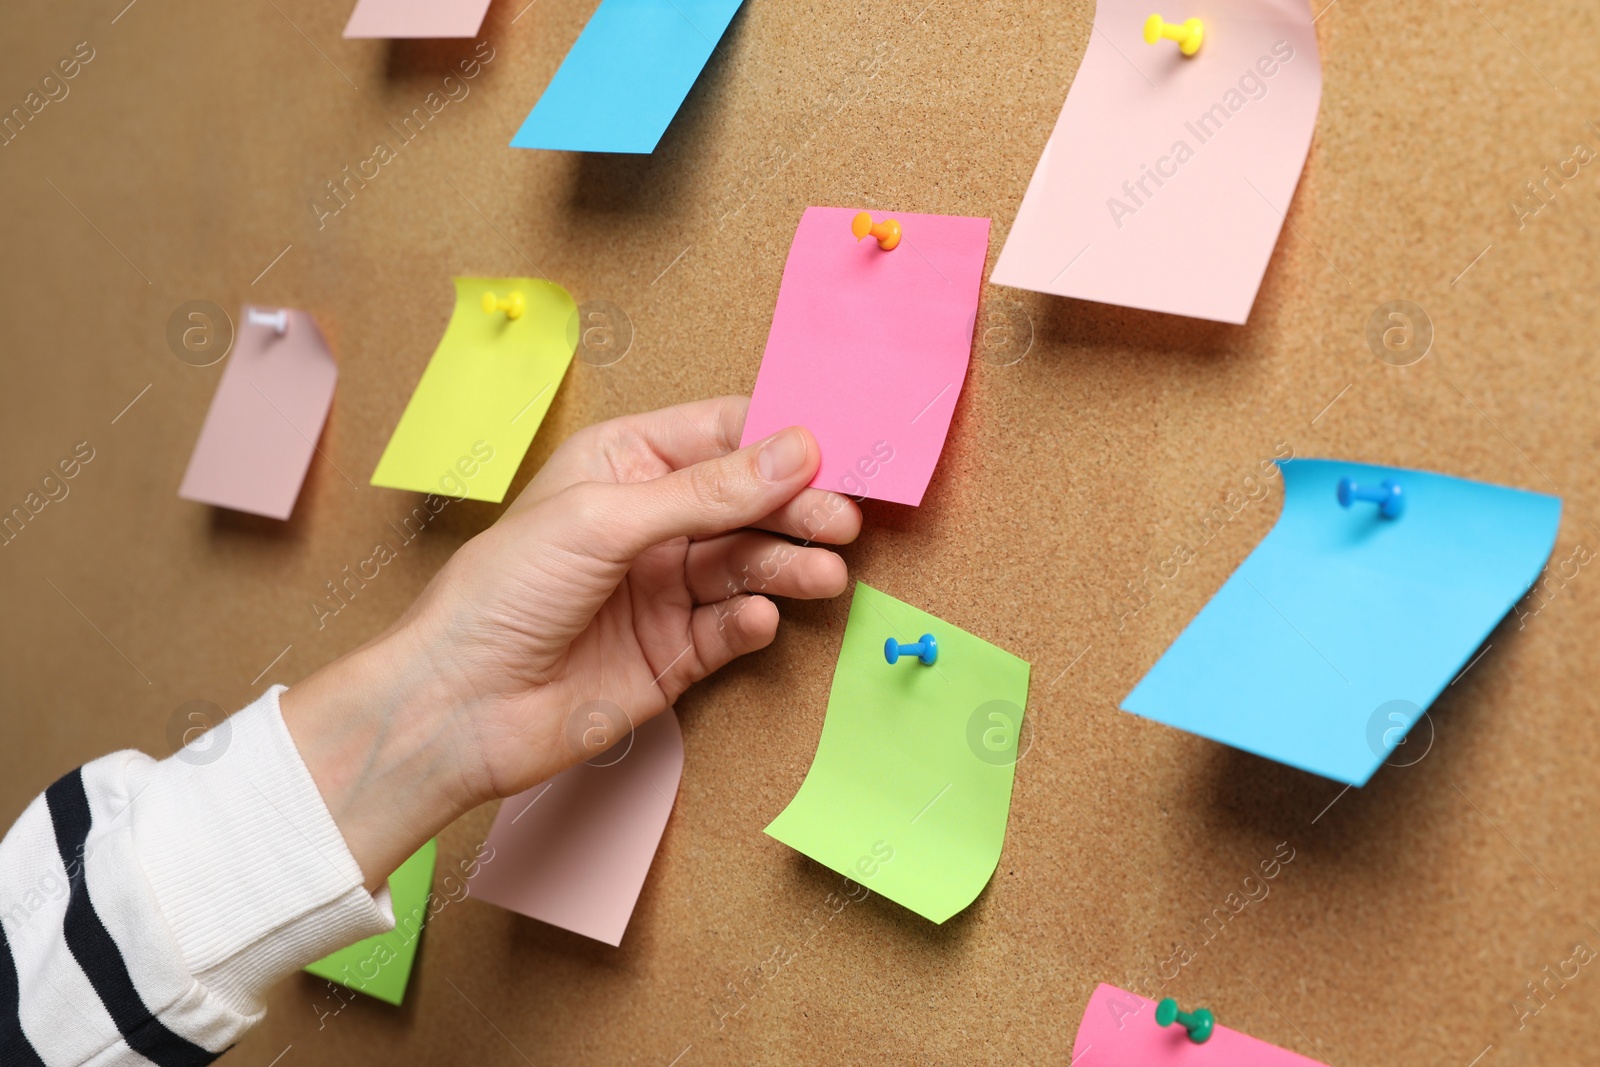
[{"x": 379, "y": 734}]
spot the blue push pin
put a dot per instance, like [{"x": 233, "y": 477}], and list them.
[
  {"x": 927, "y": 650},
  {"x": 1386, "y": 495}
]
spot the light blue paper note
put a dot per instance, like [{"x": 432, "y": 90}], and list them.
[
  {"x": 1337, "y": 632},
  {"x": 627, "y": 75}
]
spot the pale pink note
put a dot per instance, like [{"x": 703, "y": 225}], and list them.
[
  {"x": 869, "y": 349},
  {"x": 1166, "y": 180},
  {"x": 416, "y": 18},
  {"x": 574, "y": 851},
  {"x": 265, "y": 418},
  {"x": 1119, "y": 1029}
]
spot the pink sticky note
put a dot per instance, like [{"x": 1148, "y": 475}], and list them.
[
  {"x": 1165, "y": 182},
  {"x": 416, "y": 18},
  {"x": 1119, "y": 1029},
  {"x": 265, "y": 418},
  {"x": 574, "y": 851},
  {"x": 869, "y": 348}
]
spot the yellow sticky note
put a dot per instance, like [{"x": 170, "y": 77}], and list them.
[{"x": 484, "y": 392}]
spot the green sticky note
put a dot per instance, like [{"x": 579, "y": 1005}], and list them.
[
  {"x": 484, "y": 392},
  {"x": 911, "y": 785},
  {"x": 381, "y": 966}
]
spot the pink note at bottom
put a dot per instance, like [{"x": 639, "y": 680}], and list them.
[
  {"x": 1119, "y": 1029},
  {"x": 574, "y": 851}
]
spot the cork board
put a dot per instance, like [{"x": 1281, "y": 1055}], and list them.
[{"x": 181, "y": 165}]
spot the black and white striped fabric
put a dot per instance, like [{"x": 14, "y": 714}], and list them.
[{"x": 146, "y": 906}]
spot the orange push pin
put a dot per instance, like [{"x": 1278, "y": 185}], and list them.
[
  {"x": 1188, "y": 34},
  {"x": 887, "y": 232},
  {"x": 513, "y": 305}
]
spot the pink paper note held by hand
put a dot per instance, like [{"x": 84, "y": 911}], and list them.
[
  {"x": 869, "y": 346},
  {"x": 1167, "y": 179},
  {"x": 1119, "y": 1029},
  {"x": 574, "y": 851},
  {"x": 261, "y": 431}
]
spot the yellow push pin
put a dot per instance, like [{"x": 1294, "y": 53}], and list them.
[
  {"x": 513, "y": 305},
  {"x": 887, "y": 232},
  {"x": 1188, "y": 34}
]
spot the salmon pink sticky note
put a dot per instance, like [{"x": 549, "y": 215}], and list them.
[
  {"x": 868, "y": 349},
  {"x": 574, "y": 851},
  {"x": 1119, "y": 1029},
  {"x": 265, "y": 418},
  {"x": 1167, "y": 178},
  {"x": 416, "y": 18}
]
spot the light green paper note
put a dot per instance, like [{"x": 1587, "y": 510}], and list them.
[
  {"x": 381, "y": 966},
  {"x": 483, "y": 394},
  {"x": 911, "y": 785}
]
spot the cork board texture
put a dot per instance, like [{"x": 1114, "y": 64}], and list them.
[{"x": 181, "y": 165}]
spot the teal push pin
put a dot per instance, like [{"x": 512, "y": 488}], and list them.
[
  {"x": 1199, "y": 1022},
  {"x": 1386, "y": 494},
  {"x": 926, "y": 650}
]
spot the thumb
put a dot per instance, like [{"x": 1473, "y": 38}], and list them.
[{"x": 710, "y": 497}]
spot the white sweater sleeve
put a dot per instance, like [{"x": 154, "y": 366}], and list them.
[{"x": 146, "y": 906}]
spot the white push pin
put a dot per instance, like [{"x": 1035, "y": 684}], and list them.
[{"x": 277, "y": 320}]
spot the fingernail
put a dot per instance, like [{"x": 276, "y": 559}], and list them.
[{"x": 782, "y": 456}]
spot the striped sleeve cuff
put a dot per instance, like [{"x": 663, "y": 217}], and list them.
[
  {"x": 244, "y": 859},
  {"x": 145, "y": 907}
]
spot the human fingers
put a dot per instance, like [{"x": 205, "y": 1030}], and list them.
[
  {"x": 750, "y": 562},
  {"x": 703, "y": 500},
  {"x": 815, "y": 515},
  {"x": 721, "y": 633},
  {"x": 641, "y": 446}
]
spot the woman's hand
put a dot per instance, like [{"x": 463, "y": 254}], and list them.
[{"x": 636, "y": 562}]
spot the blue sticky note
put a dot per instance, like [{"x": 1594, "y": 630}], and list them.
[
  {"x": 627, "y": 75},
  {"x": 1337, "y": 632}
]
